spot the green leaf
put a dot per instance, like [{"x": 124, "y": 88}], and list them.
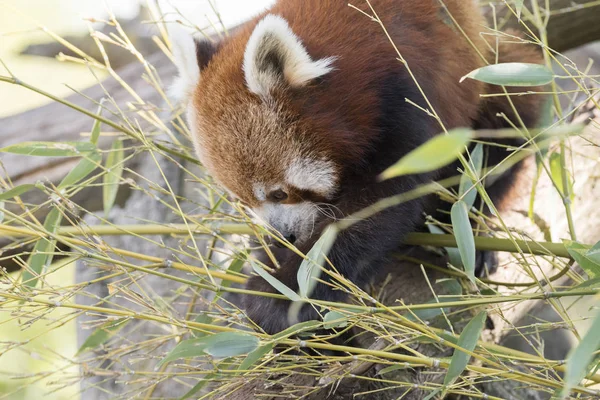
[
  {"x": 276, "y": 283},
  {"x": 432, "y": 394},
  {"x": 41, "y": 255},
  {"x": 50, "y": 149},
  {"x": 467, "y": 341},
  {"x": 451, "y": 286},
  {"x": 539, "y": 168},
  {"x": 453, "y": 253},
  {"x": 428, "y": 314},
  {"x": 580, "y": 357},
  {"x": 1, "y": 211},
  {"x": 185, "y": 349},
  {"x": 202, "y": 319},
  {"x": 590, "y": 283},
  {"x": 16, "y": 191},
  {"x": 114, "y": 168},
  {"x": 230, "y": 344},
  {"x": 81, "y": 170},
  {"x": 255, "y": 356},
  {"x": 295, "y": 330},
  {"x": 512, "y": 74},
  {"x": 466, "y": 183},
  {"x": 102, "y": 334},
  {"x": 96, "y": 127},
  {"x": 206, "y": 379},
  {"x": 219, "y": 345},
  {"x": 236, "y": 266},
  {"x": 198, "y": 386},
  {"x": 334, "y": 319},
  {"x": 432, "y": 155},
  {"x": 556, "y": 171},
  {"x": 465, "y": 240},
  {"x": 310, "y": 268},
  {"x": 594, "y": 251},
  {"x": 519, "y": 7},
  {"x": 579, "y": 252}
]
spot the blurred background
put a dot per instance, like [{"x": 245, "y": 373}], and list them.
[{"x": 21, "y": 33}]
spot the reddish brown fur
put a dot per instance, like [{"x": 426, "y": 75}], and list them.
[
  {"x": 246, "y": 139},
  {"x": 364, "y": 54}
]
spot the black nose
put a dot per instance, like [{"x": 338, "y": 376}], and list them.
[{"x": 291, "y": 238}]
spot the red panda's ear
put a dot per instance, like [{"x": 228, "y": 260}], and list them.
[
  {"x": 192, "y": 55},
  {"x": 274, "y": 55}
]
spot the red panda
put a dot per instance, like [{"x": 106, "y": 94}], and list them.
[{"x": 298, "y": 112}]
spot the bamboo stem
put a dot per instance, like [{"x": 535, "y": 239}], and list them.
[{"x": 413, "y": 239}]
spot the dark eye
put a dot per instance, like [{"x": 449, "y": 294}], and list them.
[{"x": 277, "y": 196}]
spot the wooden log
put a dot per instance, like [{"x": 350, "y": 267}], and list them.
[
  {"x": 56, "y": 122},
  {"x": 571, "y": 23}
]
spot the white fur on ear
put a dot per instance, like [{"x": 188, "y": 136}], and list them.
[
  {"x": 274, "y": 53},
  {"x": 183, "y": 46}
]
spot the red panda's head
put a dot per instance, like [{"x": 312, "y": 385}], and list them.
[{"x": 245, "y": 110}]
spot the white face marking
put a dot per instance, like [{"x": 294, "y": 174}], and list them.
[
  {"x": 271, "y": 36},
  {"x": 260, "y": 192},
  {"x": 316, "y": 175},
  {"x": 297, "y": 219}
]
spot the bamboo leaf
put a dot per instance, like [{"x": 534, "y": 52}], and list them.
[
  {"x": 236, "y": 266},
  {"x": 103, "y": 333},
  {"x": 202, "y": 319},
  {"x": 451, "y": 286},
  {"x": 276, "y": 283},
  {"x": 230, "y": 344},
  {"x": 198, "y": 386},
  {"x": 590, "y": 283},
  {"x": 185, "y": 349},
  {"x": 85, "y": 167},
  {"x": 50, "y": 149},
  {"x": 432, "y": 394},
  {"x": 512, "y": 74},
  {"x": 594, "y": 251},
  {"x": 334, "y": 319},
  {"x": 95, "y": 135},
  {"x": 206, "y": 379},
  {"x": 432, "y": 155},
  {"x": 16, "y": 191},
  {"x": 466, "y": 183},
  {"x": 467, "y": 341},
  {"x": 453, "y": 253},
  {"x": 464, "y": 237},
  {"x": 580, "y": 253},
  {"x": 431, "y": 313},
  {"x": 580, "y": 357},
  {"x": 255, "y": 356},
  {"x": 310, "y": 268},
  {"x": 219, "y": 345},
  {"x": 296, "y": 330},
  {"x": 114, "y": 168},
  {"x": 519, "y": 7},
  {"x": 41, "y": 256},
  {"x": 556, "y": 171}
]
